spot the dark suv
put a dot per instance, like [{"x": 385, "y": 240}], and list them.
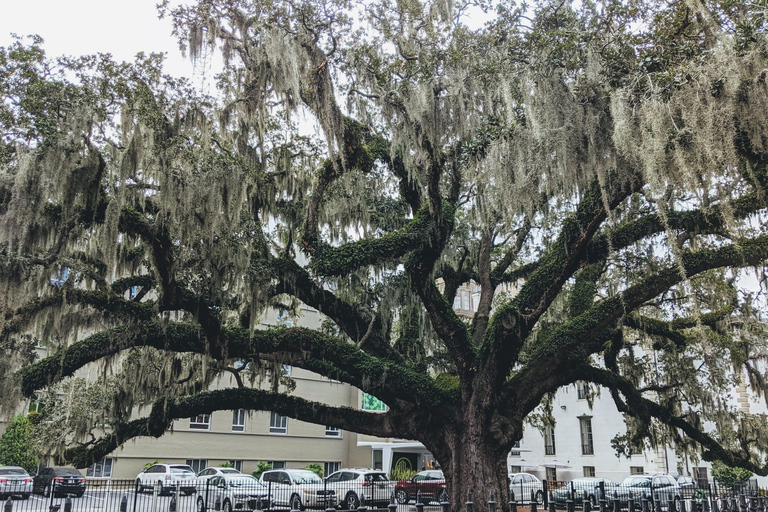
[{"x": 62, "y": 481}]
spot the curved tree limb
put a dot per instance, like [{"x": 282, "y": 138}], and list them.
[
  {"x": 166, "y": 410},
  {"x": 305, "y": 348}
]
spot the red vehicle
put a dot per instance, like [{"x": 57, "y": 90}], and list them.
[{"x": 430, "y": 483}]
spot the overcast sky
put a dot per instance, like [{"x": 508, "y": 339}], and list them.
[{"x": 79, "y": 27}]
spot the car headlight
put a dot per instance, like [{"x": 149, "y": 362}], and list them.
[{"x": 309, "y": 491}]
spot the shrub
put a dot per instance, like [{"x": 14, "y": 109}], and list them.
[
  {"x": 15, "y": 449},
  {"x": 316, "y": 469},
  {"x": 261, "y": 467}
]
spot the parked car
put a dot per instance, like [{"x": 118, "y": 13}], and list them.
[
  {"x": 298, "y": 489},
  {"x": 205, "y": 475},
  {"x": 15, "y": 481},
  {"x": 583, "y": 488},
  {"x": 353, "y": 484},
  {"x": 233, "y": 491},
  {"x": 661, "y": 488},
  {"x": 62, "y": 481},
  {"x": 169, "y": 476},
  {"x": 430, "y": 484},
  {"x": 522, "y": 484}
]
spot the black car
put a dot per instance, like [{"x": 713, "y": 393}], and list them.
[{"x": 62, "y": 481}]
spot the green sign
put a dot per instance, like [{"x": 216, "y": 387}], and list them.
[{"x": 371, "y": 403}]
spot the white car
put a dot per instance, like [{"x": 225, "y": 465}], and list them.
[
  {"x": 353, "y": 484},
  {"x": 15, "y": 481},
  {"x": 233, "y": 492},
  {"x": 170, "y": 476},
  {"x": 298, "y": 489},
  {"x": 205, "y": 475},
  {"x": 521, "y": 485}
]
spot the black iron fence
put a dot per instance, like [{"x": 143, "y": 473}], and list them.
[{"x": 430, "y": 496}]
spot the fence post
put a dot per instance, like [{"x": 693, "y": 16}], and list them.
[
  {"x": 551, "y": 501},
  {"x": 68, "y": 504},
  {"x": 646, "y": 504},
  {"x": 52, "y": 492},
  {"x": 124, "y": 503},
  {"x": 155, "y": 493},
  {"x": 470, "y": 506},
  {"x": 491, "y": 504},
  {"x": 392, "y": 503},
  {"x": 362, "y": 507},
  {"x": 631, "y": 503},
  {"x": 569, "y": 506},
  {"x": 136, "y": 495},
  {"x": 616, "y": 503},
  {"x": 444, "y": 503},
  {"x": 8, "y": 505},
  {"x": 419, "y": 503},
  {"x": 544, "y": 490},
  {"x": 533, "y": 505},
  {"x": 586, "y": 505}
]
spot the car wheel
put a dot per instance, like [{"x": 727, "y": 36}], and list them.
[
  {"x": 352, "y": 501},
  {"x": 295, "y": 502},
  {"x": 539, "y": 497},
  {"x": 401, "y": 495},
  {"x": 227, "y": 506},
  {"x": 200, "y": 504}
]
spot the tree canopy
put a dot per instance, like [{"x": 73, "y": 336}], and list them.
[{"x": 596, "y": 169}]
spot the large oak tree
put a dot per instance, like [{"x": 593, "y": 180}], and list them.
[{"x": 597, "y": 170}]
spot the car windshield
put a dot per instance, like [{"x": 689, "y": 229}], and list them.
[
  {"x": 181, "y": 469},
  {"x": 12, "y": 472},
  {"x": 243, "y": 480},
  {"x": 635, "y": 481},
  {"x": 306, "y": 477}
]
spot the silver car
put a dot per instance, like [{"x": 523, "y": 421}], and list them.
[
  {"x": 15, "y": 481},
  {"x": 298, "y": 489},
  {"x": 230, "y": 492}
]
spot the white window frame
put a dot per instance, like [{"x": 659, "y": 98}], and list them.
[
  {"x": 238, "y": 420},
  {"x": 332, "y": 431},
  {"x": 278, "y": 424},
  {"x": 200, "y": 422},
  {"x": 104, "y": 467},
  {"x": 589, "y": 471},
  {"x": 197, "y": 465},
  {"x": 331, "y": 467}
]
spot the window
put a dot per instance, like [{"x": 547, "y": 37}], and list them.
[
  {"x": 277, "y": 464},
  {"x": 371, "y": 403},
  {"x": 589, "y": 471},
  {"x": 549, "y": 440},
  {"x": 287, "y": 370},
  {"x": 197, "y": 465},
  {"x": 278, "y": 424},
  {"x": 237, "y": 464},
  {"x": 582, "y": 390},
  {"x": 330, "y": 467},
  {"x": 332, "y": 431},
  {"x": 238, "y": 420},
  {"x": 587, "y": 446},
  {"x": 378, "y": 458},
  {"x": 515, "y": 469},
  {"x": 551, "y": 475},
  {"x": 636, "y": 470},
  {"x": 102, "y": 469},
  {"x": 200, "y": 422},
  {"x": 700, "y": 475},
  {"x": 515, "y": 453}
]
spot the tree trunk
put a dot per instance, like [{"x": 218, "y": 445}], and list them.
[{"x": 473, "y": 454}]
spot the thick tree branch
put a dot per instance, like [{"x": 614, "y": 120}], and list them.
[
  {"x": 302, "y": 347},
  {"x": 166, "y": 410},
  {"x": 638, "y": 406},
  {"x": 295, "y": 280}
]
